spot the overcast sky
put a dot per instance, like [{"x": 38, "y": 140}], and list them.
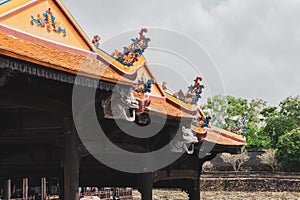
[{"x": 255, "y": 44}]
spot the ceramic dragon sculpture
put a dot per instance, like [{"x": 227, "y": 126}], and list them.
[
  {"x": 120, "y": 106},
  {"x": 185, "y": 142}
]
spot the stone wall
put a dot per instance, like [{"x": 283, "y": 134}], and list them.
[
  {"x": 250, "y": 182},
  {"x": 253, "y": 164}
]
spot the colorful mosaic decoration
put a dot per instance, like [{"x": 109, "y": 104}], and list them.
[
  {"x": 143, "y": 86},
  {"x": 96, "y": 40},
  {"x": 131, "y": 53},
  {"x": 193, "y": 94},
  {"x": 201, "y": 122},
  {"x": 47, "y": 20},
  {"x": 240, "y": 130}
]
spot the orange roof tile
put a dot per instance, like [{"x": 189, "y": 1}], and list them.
[
  {"x": 58, "y": 59},
  {"x": 162, "y": 107},
  {"x": 222, "y": 140},
  {"x": 223, "y": 137}
]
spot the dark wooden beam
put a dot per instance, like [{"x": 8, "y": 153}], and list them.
[
  {"x": 31, "y": 139},
  {"x": 33, "y": 101}
]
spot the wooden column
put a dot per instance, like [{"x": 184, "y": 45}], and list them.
[
  {"x": 44, "y": 188},
  {"x": 25, "y": 188},
  {"x": 61, "y": 188},
  {"x": 71, "y": 165},
  {"x": 49, "y": 186},
  {"x": 146, "y": 186},
  {"x": 196, "y": 190},
  {"x": 7, "y": 189}
]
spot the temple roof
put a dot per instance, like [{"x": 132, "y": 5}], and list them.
[
  {"x": 45, "y": 33},
  {"x": 46, "y": 56},
  {"x": 224, "y": 137},
  {"x": 88, "y": 65},
  {"x": 164, "y": 108}
]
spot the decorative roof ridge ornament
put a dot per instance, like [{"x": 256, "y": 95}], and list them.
[
  {"x": 132, "y": 52},
  {"x": 142, "y": 86},
  {"x": 201, "y": 122},
  {"x": 96, "y": 40},
  {"x": 48, "y": 21},
  {"x": 202, "y": 128},
  {"x": 192, "y": 95},
  {"x": 240, "y": 129}
]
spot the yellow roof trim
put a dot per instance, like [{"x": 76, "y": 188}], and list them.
[
  {"x": 76, "y": 25},
  {"x": 181, "y": 103},
  {"x": 8, "y": 6},
  {"x": 124, "y": 69},
  {"x": 234, "y": 135}
]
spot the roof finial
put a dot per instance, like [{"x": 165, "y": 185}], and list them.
[{"x": 96, "y": 40}]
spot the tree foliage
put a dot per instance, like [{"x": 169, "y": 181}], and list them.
[
  {"x": 232, "y": 110},
  {"x": 256, "y": 138},
  {"x": 276, "y": 127},
  {"x": 283, "y": 119},
  {"x": 216, "y": 107},
  {"x": 265, "y": 124},
  {"x": 237, "y": 111},
  {"x": 290, "y": 107},
  {"x": 289, "y": 148}
]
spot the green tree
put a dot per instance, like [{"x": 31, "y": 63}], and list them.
[
  {"x": 278, "y": 126},
  {"x": 256, "y": 138},
  {"x": 269, "y": 111},
  {"x": 216, "y": 107},
  {"x": 288, "y": 148},
  {"x": 282, "y": 120},
  {"x": 236, "y": 111},
  {"x": 264, "y": 124},
  {"x": 255, "y": 108},
  {"x": 232, "y": 110},
  {"x": 290, "y": 107}
]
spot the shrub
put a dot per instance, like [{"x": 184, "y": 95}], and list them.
[
  {"x": 236, "y": 160},
  {"x": 268, "y": 158},
  {"x": 207, "y": 166}
]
